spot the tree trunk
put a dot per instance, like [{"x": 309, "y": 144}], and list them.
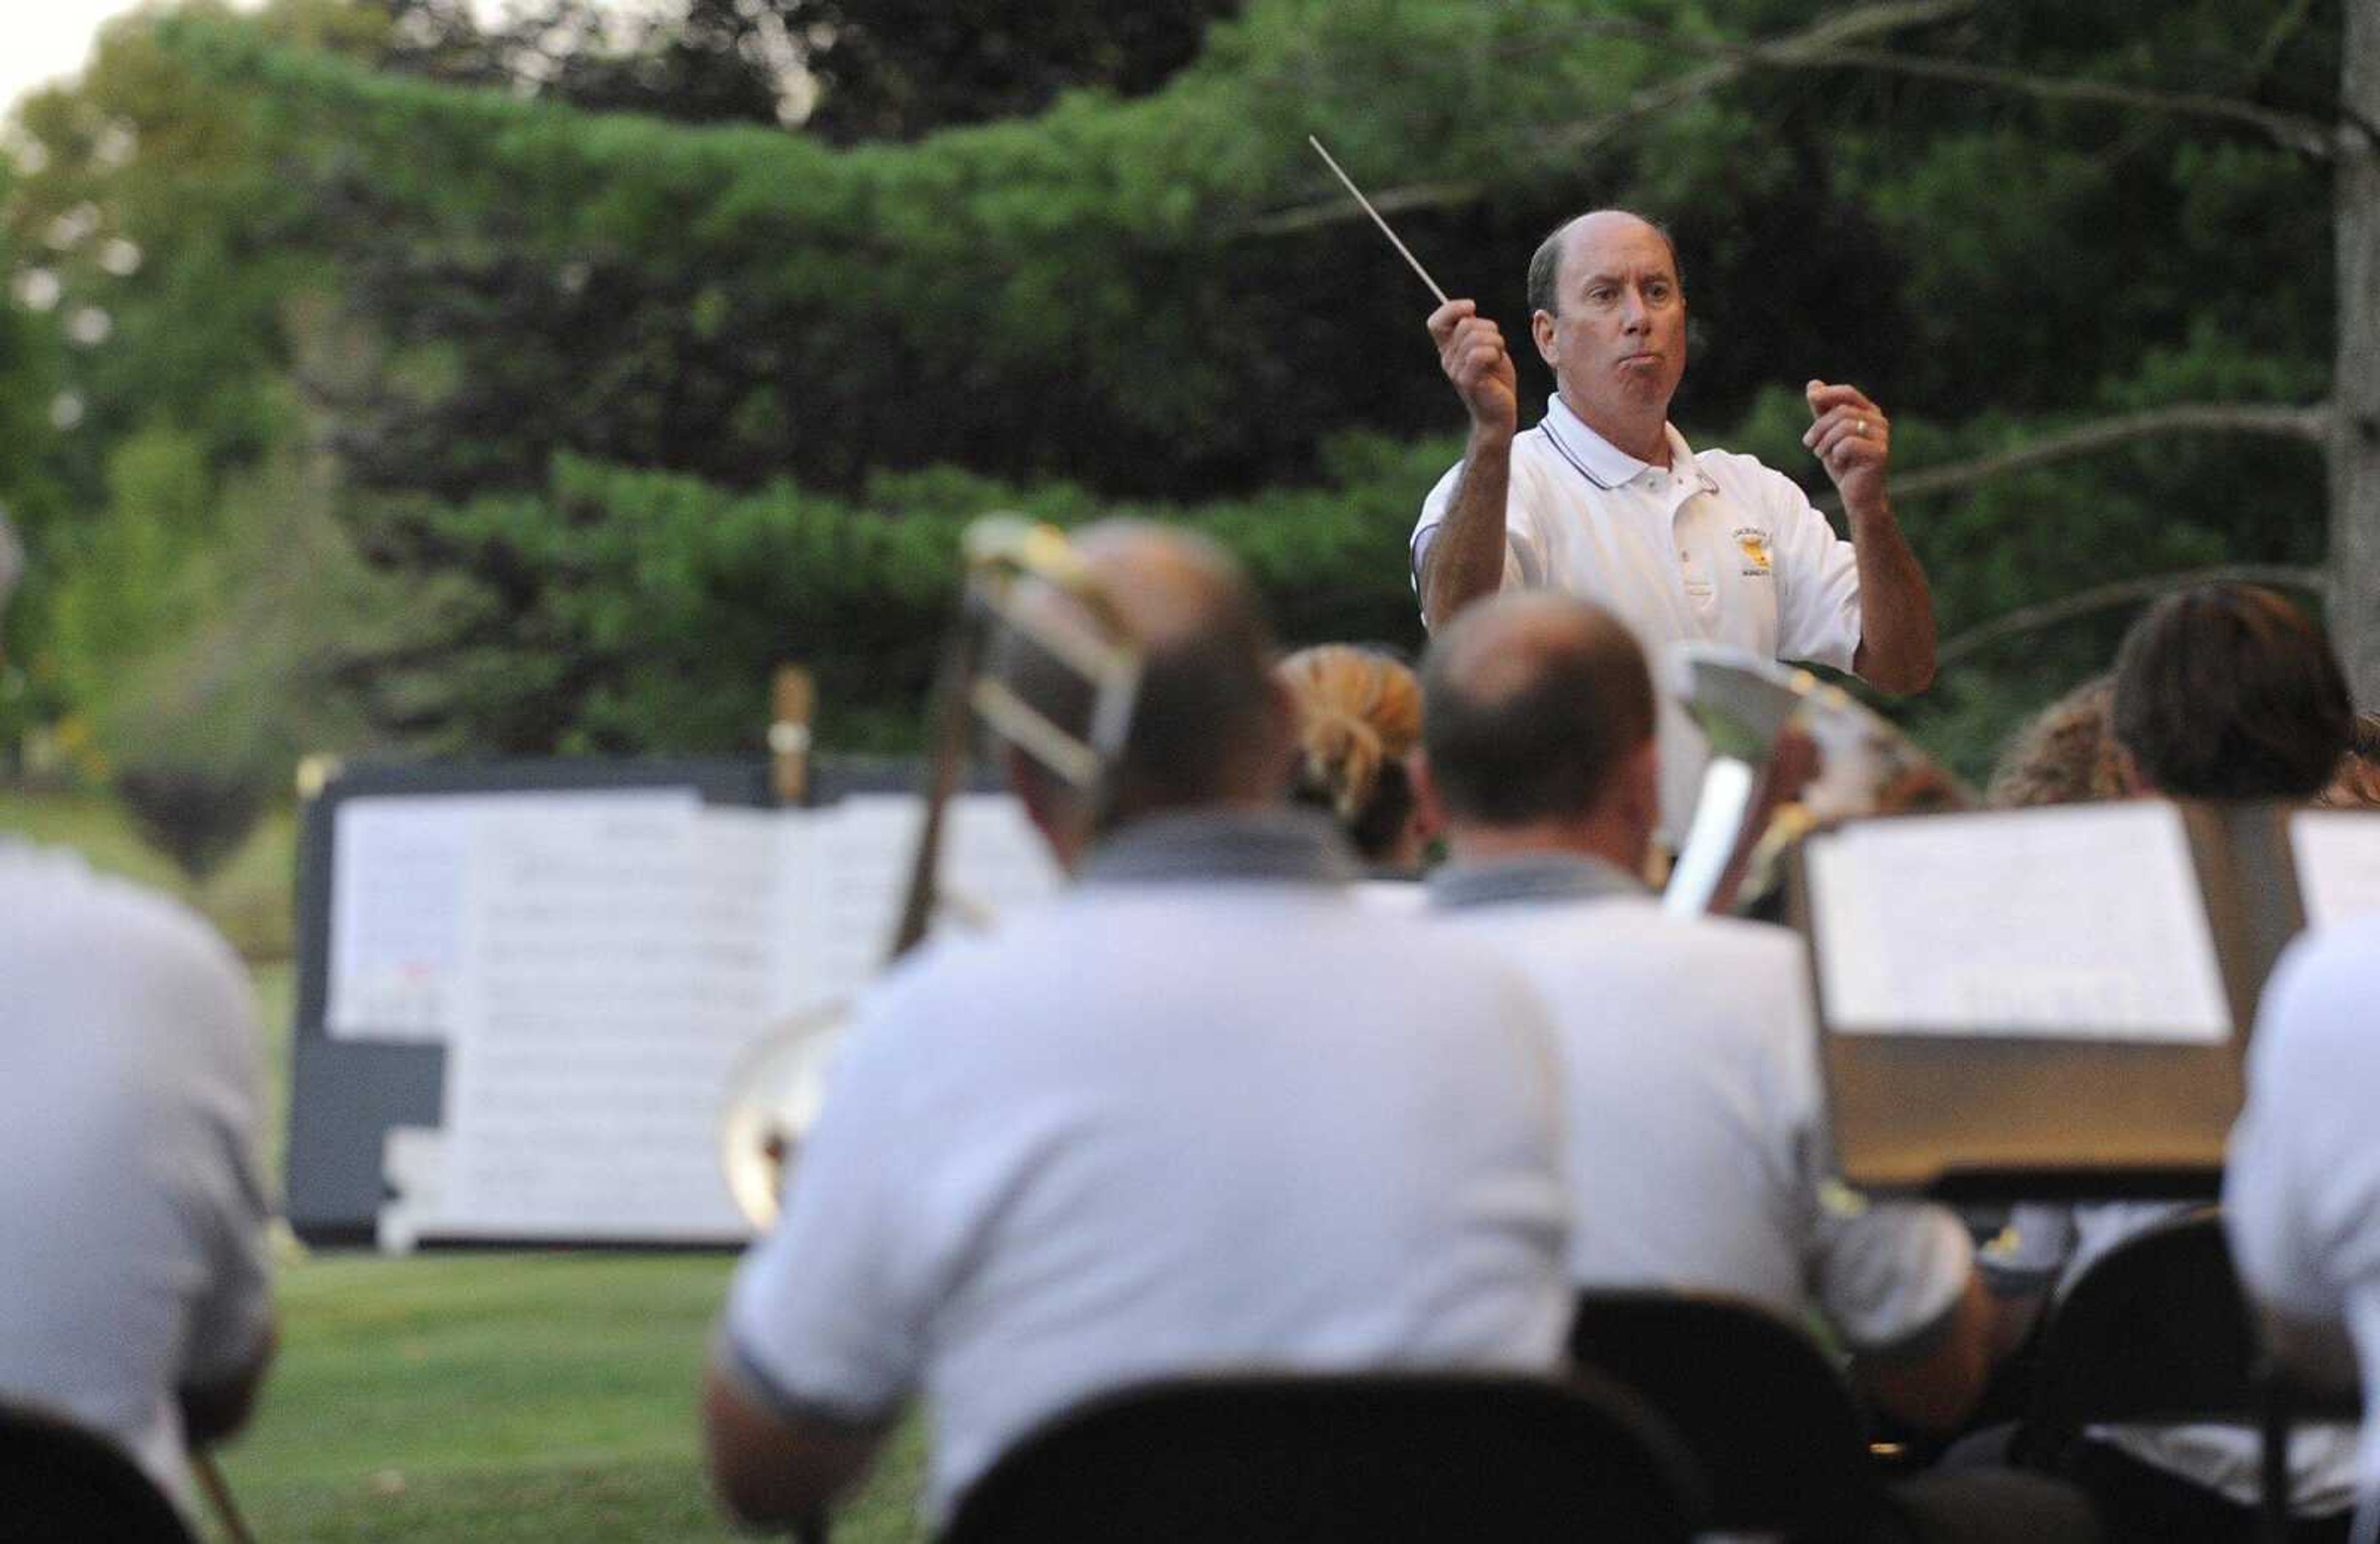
[{"x": 2355, "y": 393}]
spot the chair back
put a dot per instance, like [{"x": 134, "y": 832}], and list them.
[
  {"x": 2155, "y": 1332},
  {"x": 1777, "y": 1431},
  {"x": 61, "y": 1483},
  {"x": 1302, "y": 1457}
]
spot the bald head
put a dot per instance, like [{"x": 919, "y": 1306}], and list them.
[
  {"x": 1596, "y": 225},
  {"x": 1208, "y": 725},
  {"x": 1532, "y": 703}
]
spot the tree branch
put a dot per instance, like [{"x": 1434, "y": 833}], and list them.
[
  {"x": 1823, "y": 38},
  {"x": 2308, "y": 136},
  {"x": 2119, "y": 593},
  {"x": 1827, "y": 34},
  {"x": 1828, "y": 43},
  {"x": 2311, "y": 424}
]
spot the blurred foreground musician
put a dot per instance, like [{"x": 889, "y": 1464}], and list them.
[
  {"x": 1689, "y": 1070},
  {"x": 1166, "y": 1123},
  {"x": 132, "y": 1214},
  {"x": 2301, "y": 1190}
]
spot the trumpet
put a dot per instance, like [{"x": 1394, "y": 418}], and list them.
[
  {"x": 1788, "y": 754},
  {"x": 1029, "y": 606}
]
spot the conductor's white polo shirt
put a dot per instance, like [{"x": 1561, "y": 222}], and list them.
[
  {"x": 132, "y": 1213},
  {"x": 1714, "y": 548},
  {"x": 1694, "y": 1109},
  {"x": 1206, "y": 1109}
]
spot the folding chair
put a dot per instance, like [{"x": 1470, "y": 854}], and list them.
[
  {"x": 63, "y": 1484},
  {"x": 1316, "y": 1458},
  {"x": 1779, "y": 1436}
]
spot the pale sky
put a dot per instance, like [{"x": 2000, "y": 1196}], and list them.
[{"x": 42, "y": 39}]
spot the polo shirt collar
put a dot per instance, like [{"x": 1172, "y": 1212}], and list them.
[
  {"x": 1224, "y": 845},
  {"x": 1605, "y": 464},
  {"x": 1537, "y": 877}
]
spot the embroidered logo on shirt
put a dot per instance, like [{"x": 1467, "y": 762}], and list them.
[{"x": 1753, "y": 542}]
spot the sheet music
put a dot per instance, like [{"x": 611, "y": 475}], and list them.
[
  {"x": 2338, "y": 854},
  {"x": 620, "y": 966},
  {"x": 400, "y": 872},
  {"x": 846, "y": 872},
  {"x": 2077, "y": 923},
  {"x": 603, "y": 964}
]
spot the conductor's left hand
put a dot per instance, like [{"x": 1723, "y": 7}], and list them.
[{"x": 1852, "y": 439}]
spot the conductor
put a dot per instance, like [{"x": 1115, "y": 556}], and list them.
[{"x": 1603, "y": 498}]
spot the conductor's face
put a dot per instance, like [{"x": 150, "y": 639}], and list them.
[{"x": 1617, "y": 345}]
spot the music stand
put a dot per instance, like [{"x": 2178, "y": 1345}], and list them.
[{"x": 2010, "y": 1104}]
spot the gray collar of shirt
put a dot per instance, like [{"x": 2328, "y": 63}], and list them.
[
  {"x": 1537, "y": 877},
  {"x": 1209, "y": 845}
]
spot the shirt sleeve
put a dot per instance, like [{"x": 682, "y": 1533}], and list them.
[
  {"x": 1818, "y": 572},
  {"x": 227, "y": 1200},
  {"x": 1522, "y": 559},
  {"x": 821, "y": 1319},
  {"x": 1882, "y": 1274}
]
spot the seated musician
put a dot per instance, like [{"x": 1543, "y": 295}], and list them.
[
  {"x": 1166, "y": 1123},
  {"x": 1690, "y": 1068},
  {"x": 137, "y": 1300},
  {"x": 2220, "y": 692}
]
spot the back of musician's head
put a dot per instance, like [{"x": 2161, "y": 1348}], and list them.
[
  {"x": 2229, "y": 692},
  {"x": 2064, "y": 754},
  {"x": 1359, "y": 718},
  {"x": 1209, "y": 724},
  {"x": 1533, "y": 703}
]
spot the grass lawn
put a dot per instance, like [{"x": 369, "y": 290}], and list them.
[
  {"x": 458, "y": 1396},
  {"x": 468, "y": 1396}
]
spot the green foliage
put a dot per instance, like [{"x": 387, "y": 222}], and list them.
[
  {"x": 552, "y": 350},
  {"x": 619, "y": 609}
]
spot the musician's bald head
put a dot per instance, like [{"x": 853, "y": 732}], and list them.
[
  {"x": 1210, "y": 726},
  {"x": 1536, "y": 706}
]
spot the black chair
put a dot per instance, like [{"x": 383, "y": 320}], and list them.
[
  {"x": 1778, "y": 1433},
  {"x": 63, "y": 1484},
  {"x": 2156, "y": 1332},
  {"x": 2283, "y": 1400},
  {"x": 1322, "y": 1457}
]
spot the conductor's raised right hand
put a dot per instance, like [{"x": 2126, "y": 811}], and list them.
[{"x": 1471, "y": 350}]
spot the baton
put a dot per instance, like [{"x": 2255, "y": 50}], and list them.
[{"x": 1402, "y": 251}]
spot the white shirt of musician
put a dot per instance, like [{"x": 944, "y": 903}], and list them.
[
  {"x": 1194, "y": 1114},
  {"x": 1713, "y": 548},
  {"x": 132, "y": 1217},
  {"x": 2301, "y": 1188}
]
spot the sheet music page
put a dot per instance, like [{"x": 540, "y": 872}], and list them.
[
  {"x": 995, "y": 863},
  {"x": 2338, "y": 854},
  {"x": 857, "y": 873},
  {"x": 847, "y": 874},
  {"x": 618, "y": 969},
  {"x": 400, "y": 872},
  {"x": 2082, "y": 922}
]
